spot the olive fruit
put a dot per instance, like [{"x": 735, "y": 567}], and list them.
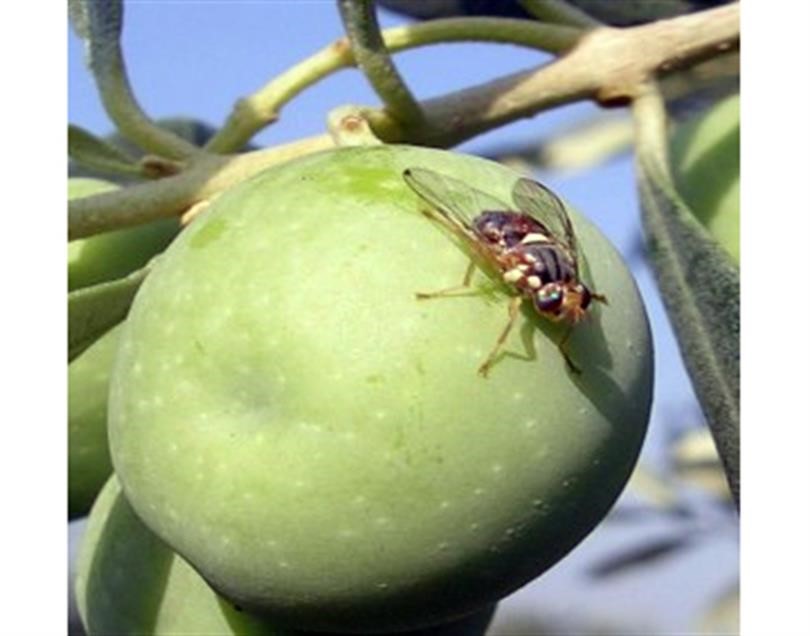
[
  {"x": 89, "y": 463},
  {"x": 317, "y": 442},
  {"x": 706, "y": 165},
  {"x": 129, "y": 582},
  {"x": 111, "y": 255}
]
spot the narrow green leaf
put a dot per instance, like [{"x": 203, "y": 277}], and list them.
[
  {"x": 77, "y": 12},
  {"x": 92, "y": 311},
  {"x": 95, "y": 153},
  {"x": 99, "y": 24},
  {"x": 642, "y": 555},
  {"x": 700, "y": 286}
]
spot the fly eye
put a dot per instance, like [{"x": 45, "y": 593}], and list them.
[{"x": 549, "y": 299}]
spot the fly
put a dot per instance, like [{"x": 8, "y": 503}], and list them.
[{"x": 531, "y": 245}]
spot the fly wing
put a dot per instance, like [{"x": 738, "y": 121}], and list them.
[
  {"x": 541, "y": 203},
  {"x": 454, "y": 199}
]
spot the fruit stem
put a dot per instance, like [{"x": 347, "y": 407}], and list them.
[
  {"x": 261, "y": 109},
  {"x": 348, "y": 126}
]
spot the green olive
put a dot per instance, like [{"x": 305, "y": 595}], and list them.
[
  {"x": 706, "y": 163},
  {"x": 129, "y": 582},
  {"x": 317, "y": 442},
  {"x": 89, "y": 463}
]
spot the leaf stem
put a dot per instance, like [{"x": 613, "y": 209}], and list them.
[
  {"x": 253, "y": 113},
  {"x": 559, "y": 12}
]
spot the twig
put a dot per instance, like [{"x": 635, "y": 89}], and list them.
[
  {"x": 206, "y": 176},
  {"x": 253, "y": 113},
  {"x": 607, "y": 64}
]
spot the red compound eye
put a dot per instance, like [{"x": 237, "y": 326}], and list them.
[{"x": 549, "y": 298}]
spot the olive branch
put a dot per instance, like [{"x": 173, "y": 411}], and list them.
[
  {"x": 604, "y": 64},
  {"x": 611, "y": 66}
]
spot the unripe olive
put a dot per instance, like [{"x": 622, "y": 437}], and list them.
[
  {"x": 706, "y": 164},
  {"x": 317, "y": 442},
  {"x": 111, "y": 255},
  {"x": 129, "y": 582},
  {"x": 89, "y": 463}
]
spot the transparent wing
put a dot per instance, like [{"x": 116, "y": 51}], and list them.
[
  {"x": 541, "y": 203},
  {"x": 453, "y": 198}
]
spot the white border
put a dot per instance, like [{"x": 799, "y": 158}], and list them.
[
  {"x": 34, "y": 378},
  {"x": 775, "y": 184}
]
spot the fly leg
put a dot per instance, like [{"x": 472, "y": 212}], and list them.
[
  {"x": 600, "y": 298},
  {"x": 456, "y": 290},
  {"x": 514, "y": 305},
  {"x": 564, "y": 350}
]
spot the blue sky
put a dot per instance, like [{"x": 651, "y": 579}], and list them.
[{"x": 195, "y": 58}]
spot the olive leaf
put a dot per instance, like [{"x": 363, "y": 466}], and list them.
[
  {"x": 700, "y": 287},
  {"x": 95, "y": 153},
  {"x": 94, "y": 310},
  {"x": 640, "y": 555},
  {"x": 99, "y": 24},
  {"x": 613, "y": 12}
]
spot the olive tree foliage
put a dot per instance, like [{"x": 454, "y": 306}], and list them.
[{"x": 646, "y": 68}]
